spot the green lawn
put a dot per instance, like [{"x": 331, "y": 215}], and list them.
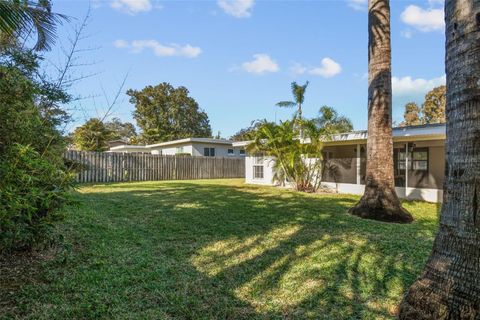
[{"x": 219, "y": 249}]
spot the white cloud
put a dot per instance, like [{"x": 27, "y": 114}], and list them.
[
  {"x": 159, "y": 49},
  {"x": 237, "y": 8},
  {"x": 297, "y": 69},
  {"x": 424, "y": 20},
  {"x": 261, "y": 64},
  {"x": 407, "y": 86},
  {"x": 327, "y": 69},
  {"x": 131, "y": 6},
  {"x": 360, "y": 5},
  {"x": 120, "y": 43}
]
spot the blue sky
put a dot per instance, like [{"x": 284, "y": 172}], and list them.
[{"x": 238, "y": 57}]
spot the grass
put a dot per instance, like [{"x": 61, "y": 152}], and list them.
[{"x": 219, "y": 249}]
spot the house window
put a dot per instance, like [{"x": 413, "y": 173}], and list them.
[
  {"x": 230, "y": 152},
  {"x": 417, "y": 160},
  {"x": 420, "y": 159},
  {"x": 242, "y": 151},
  {"x": 209, "y": 152},
  {"x": 258, "y": 166},
  {"x": 179, "y": 150},
  {"x": 257, "y": 172}
]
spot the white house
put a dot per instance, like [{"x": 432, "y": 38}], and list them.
[
  {"x": 193, "y": 146},
  {"x": 419, "y": 173}
]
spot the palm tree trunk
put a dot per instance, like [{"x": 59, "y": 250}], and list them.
[
  {"x": 449, "y": 287},
  {"x": 380, "y": 201}
]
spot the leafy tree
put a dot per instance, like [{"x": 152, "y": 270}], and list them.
[
  {"x": 18, "y": 18},
  {"x": 331, "y": 122},
  {"x": 380, "y": 200},
  {"x": 449, "y": 286},
  {"x": 121, "y": 130},
  {"x": 92, "y": 136},
  {"x": 412, "y": 115},
  {"x": 298, "y": 93},
  {"x": 33, "y": 178},
  {"x": 432, "y": 110},
  {"x": 166, "y": 113}
]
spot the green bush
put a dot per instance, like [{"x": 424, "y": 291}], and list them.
[{"x": 32, "y": 190}]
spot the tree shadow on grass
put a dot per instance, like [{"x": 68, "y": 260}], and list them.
[{"x": 211, "y": 250}]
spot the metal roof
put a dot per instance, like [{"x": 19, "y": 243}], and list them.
[{"x": 426, "y": 131}]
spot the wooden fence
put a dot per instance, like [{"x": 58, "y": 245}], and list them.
[{"x": 117, "y": 167}]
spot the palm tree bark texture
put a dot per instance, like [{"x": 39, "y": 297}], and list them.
[
  {"x": 380, "y": 201},
  {"x": 449, "y": 287}
]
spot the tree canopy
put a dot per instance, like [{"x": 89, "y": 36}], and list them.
[
  {"x": 166, "y": 113},
  {"x": 121, "y": 130},
  {"x": 298, "y": 92},
  {"x": 431, "y": 111},
  {"x": 331, "y": 122},
  {"x": 92, "y": 136}
]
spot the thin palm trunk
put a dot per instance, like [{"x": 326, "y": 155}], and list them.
[
  {"x": 380, "y": 201},
  {"x": 449, "y": 287}
]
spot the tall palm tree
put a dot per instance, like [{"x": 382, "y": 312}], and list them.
[
  {"x": 18, "y": 18},
  {"x": 298, "y": 92},
  {"x": 380, "y": 201},
  {"x": 449, "y": 287}
]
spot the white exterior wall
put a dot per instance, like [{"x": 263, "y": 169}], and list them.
[
  {"x": 268, "y": 163},
  {"x": 172, "y": 150},
  {"x": 132, "y": 149},
  {"x": 221, "y": 150},
  {"x": 430, "y": 195},
  {"x": 196, "y": 149}
]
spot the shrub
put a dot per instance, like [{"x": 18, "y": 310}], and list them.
[{"x": 32, "y": 190}]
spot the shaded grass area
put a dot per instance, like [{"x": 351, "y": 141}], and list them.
[{"x": 219, "y": 249}]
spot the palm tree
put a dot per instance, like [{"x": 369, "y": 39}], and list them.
[
  {"x": 449, "y": 287},
  {"x": 380, "y": 201},
  {"x": 19, "y": 18},
  {"x": 331, "y": 122},
  {"x": 298, "y": 96},
  {"x": 294, "y": 160}
]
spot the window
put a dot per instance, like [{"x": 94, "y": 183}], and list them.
[
  {"x": 230, "y": 152},
  {"x": 209, "y": 152},
  {"x": 179, "y": 150},
  {"x": 420, "y": 159},
  {"x": 257, "y": 172},
  {"x": 417, "y": 159},
  {"x": 242, "y": 151},
  {"x": 258, "y": 166}
]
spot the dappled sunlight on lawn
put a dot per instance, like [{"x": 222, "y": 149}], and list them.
[
  {"x": 225, "y": 254},
  {"x": 220, "y": 249}
]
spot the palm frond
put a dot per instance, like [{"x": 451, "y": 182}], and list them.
[
  {"x": 286, "y": 104},
  {"x": 19, "y": 18}
]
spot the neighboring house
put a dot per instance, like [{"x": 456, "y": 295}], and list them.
[
  {"x": 118, "y": 142},
  {"x": 419, "y": 173},
  {"x": 193, "y": 146}
]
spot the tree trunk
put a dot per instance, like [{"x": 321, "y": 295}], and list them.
[
  {"x": 449, "y": 287},
  {"x": 380, "y": 201}
]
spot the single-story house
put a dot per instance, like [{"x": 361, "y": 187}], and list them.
[
  {"x": 419, "y": 173},
  {"x": 118, "y": 142},
  {"x": 193, "y": 146}
]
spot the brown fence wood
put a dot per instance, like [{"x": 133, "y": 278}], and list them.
[{"x": 118, "y": 167}]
